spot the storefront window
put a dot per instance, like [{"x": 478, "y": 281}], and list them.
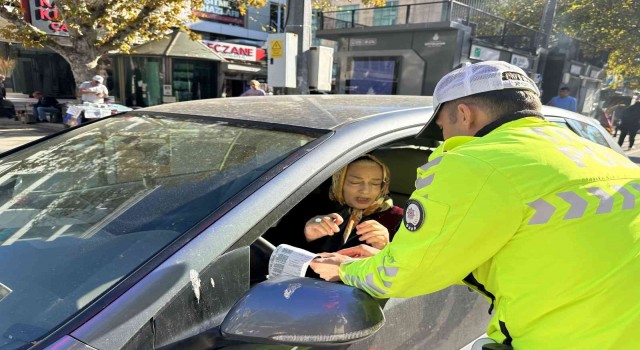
[
  {"x": 194, "y": 80},
  {"x": 105, "y": 68},
  {"x": 34, "y": 70},
  {"x": 372, "y": 75},
  {"x": 143, "y": 81}
]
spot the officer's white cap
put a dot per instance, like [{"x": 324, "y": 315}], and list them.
[{"x": 475, "y": 79}]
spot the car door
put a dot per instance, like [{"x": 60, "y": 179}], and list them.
[
  {"x": 181, "y": 302},
  {"x": 191, "y": 320},
  {"x": 448, "y": 319}
]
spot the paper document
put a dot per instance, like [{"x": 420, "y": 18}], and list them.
[{"x": 289, "y": 260}]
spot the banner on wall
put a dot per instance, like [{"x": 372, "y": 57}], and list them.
[
  {"x": 235, "y": 51},
  {"x": 223, "y": 11}
]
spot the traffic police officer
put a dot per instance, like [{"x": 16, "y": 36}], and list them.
[{"x": 544, "y": 223}]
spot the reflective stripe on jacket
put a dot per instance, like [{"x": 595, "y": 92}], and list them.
[{"x": 543, "y": 222}]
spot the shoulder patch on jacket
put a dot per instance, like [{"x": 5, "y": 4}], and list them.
[{"x": 414, "y": 215}]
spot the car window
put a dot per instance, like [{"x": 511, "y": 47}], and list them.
[
  {"x": 561, "y": 123},
  {"x": 588, "y": 131},
  {"x": 82, "y": 210}
]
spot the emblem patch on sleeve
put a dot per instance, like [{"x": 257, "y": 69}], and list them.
[{"x": 414, "y": 215}]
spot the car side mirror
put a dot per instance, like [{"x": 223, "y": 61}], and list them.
[{"x": 303, "y": 311}]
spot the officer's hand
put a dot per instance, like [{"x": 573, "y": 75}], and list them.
[
  {"x": 328, "y": 266},
  {"x": 323, "y": 225},
  {"x": 373, "y": 233},
  {"x": 361, "y": 251}
]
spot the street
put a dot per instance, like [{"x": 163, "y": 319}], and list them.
[{"x": 14, "y": 133}]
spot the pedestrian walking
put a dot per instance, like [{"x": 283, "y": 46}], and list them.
[
  {"x": 614, "y": 112},
  {"x": 629, "y": 124},
  {"x": 543, "y": 223},
  {"x": 254, "y": 89}
]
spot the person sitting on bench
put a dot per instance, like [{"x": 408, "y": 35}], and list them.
[{"x": 46, "y": 104}]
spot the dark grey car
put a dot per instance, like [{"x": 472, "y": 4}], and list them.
[{"x": 153, "y": 229}]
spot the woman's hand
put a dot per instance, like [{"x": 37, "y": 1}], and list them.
[
  {"x": 323, "y": 225},
  {"x": 373, "y": 233},
  {"x": 361, "y": 251}
]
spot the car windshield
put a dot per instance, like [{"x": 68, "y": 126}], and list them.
[
  {"x": 589, "y": 132},
  {"x": 84, "y": 209}
]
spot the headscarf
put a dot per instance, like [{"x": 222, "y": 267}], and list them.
[{"x": 382, "y": 203}]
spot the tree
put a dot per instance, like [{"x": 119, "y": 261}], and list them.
[
  {"x": 609, "y": 25},
  {"x": 328, "y": 4},
  {"x": 6, "y": 66},
  {"x": 97, "y": 27}
]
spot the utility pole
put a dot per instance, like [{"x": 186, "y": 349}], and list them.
[
  {"x": 299, "y": 22},
  {"x": 546, "y": 23}
]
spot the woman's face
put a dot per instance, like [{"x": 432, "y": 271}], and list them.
[{"x": 363, "y": 184}]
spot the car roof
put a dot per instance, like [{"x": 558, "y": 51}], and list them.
[
  {"x": 550, "y": 111},
  {"x": 309, "y": 111}
]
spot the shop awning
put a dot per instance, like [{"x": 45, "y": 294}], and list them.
[
  {"x": 241, "y": 68},
  {"x": 178, "y": 44}
]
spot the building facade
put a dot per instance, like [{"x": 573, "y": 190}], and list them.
[
  {"x": 567, "y": 64},
  {"x": 241, "y": 40},
  {"x": 152, "y": 74},
  {"x": 408, "y": 45}
]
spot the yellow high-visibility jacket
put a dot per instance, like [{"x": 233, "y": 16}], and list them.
[{"x": 544, "y": 223}]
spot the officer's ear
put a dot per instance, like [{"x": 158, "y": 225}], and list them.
[
  {"x": 472, "y": 116},
  {"x": 466, "y": 114}
]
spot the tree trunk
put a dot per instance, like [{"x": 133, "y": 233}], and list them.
[{"x": 83, "y": 58}]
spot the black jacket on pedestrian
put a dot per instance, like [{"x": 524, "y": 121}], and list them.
[
  {"x": 630, "y": 118},
  {"x": 48, "y": 101}
]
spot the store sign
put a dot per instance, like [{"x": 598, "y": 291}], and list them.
[
  {"x": 235, "y": 51},
  {"x": 484, "y": 53},
  {"x": 435, "y": 41},
  {"x": 363, "y": 42},
  {"x": 224, "y": 11},
  {"x": 520, "y": 61},
  {"x": 44, "y": 15}
]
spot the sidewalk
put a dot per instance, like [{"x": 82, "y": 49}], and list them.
[
  {"x": 634, "y": 153},
  {"x": 14, "y": 133}
]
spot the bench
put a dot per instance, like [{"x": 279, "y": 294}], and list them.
[{"x": 24, "y": 105}]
